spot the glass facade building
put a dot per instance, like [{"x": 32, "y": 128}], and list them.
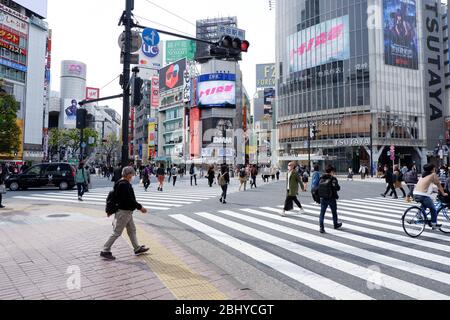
[{"x": 341, "y": 72}]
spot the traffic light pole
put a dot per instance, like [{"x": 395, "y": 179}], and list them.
[
  {"x": 309, "y": 146},
  {"x": 128, "y": 23},
  {"x": 81, "y": 144}
]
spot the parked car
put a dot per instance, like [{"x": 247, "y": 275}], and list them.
[{"x": 60, "y": 175}]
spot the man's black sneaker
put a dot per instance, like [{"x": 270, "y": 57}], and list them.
[
  {"x": 322, "y": 230},
  {"x": 436, "y": 226},
  {"x": 141, "y": 250},
  {"x": 2, "y": 207},
  {"x": 338, "y": 226},
  {"x": 107, "y": 256},
  {"x": 383, "y": 195},
  {"x": 221, "y": 201}
]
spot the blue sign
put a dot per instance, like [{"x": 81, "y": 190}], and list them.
[
  {"x": 150, "y": 37},
  {"x": 217, "y": 77},
  {"x": 13, "y": 65},
  {"x": 150, "y": 51},
  {"x": 84, "y": 145}
]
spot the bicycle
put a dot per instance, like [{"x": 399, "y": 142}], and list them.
[{"x": 415, "y": 219}]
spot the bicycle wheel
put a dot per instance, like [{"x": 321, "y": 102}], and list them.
[
  {"x": 414, "y": 222},
  {"x": 444, "y": 219}
]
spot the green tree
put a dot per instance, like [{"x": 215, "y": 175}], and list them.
[
  {"x": 72, "y": 138},
  {"x": 110, "y": 147},
  {"x": 56, "y": 139},
  {"x": 9, "y": 130}
]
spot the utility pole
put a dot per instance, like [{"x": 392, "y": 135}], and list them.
[
  {"x": 127, "y": 22},
  {"x": 371, "y": 150}
]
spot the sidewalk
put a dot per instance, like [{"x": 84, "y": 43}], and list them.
[{"x": 52, "y": 252}]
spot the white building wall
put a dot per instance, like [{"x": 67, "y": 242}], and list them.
[{"x": 34, "y": 101}]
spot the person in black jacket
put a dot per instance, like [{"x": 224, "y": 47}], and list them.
[
  {"x": 127, "y": 204},
  {"x": 117, "y": 174},
  {"x": 328, "y": 192},
  {"x": 2, "y": 181},
  {"x": 223, "y": 179},
  {"x": 389, "y": 177}
]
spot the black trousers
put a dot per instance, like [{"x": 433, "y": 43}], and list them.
[
  {"x": 391, "y": 187},
  {"x": 288, "y": 204},
  {"x": 1, "y": 197},
  {"x": 253, "y": 183},
  {"x": 224, "y": 192},
  {"x": 174, "y": 180},
  {"x": 80, "y": 189},
  {"x": 194, "y": 177},
  {"x": 146, "y": 184}
]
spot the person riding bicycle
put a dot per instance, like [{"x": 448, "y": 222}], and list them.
[{"x": 424, "y": 189}]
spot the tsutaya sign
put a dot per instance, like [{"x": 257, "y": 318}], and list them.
[
  {"x": 355, "y": 142},
  {"x": 435, "y": 70}
]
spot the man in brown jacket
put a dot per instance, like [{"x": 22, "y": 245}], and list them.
[{"x": 293, "y": 181}]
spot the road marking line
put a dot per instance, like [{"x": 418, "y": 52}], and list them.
[{"x": 319, "y": 283}]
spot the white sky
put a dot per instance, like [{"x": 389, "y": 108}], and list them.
[{"x": 87, "y": 30}]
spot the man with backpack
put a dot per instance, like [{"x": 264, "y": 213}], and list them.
[
  {"x": 125, "y": 204},
  {"x": 223, "y": 180},
  {"x": 328, "y": 193},
  {"x": 292, "y": 186},
  {"x": 193, "y": 173}
]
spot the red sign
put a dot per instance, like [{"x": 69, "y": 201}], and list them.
[
  {"x": 92, "y": 93},
  {"x": 196, "y": 134},
  {"x": 155, "y": 93},
  {"x": 12, "y": 48},
  {"x": 9, "y": 36}
]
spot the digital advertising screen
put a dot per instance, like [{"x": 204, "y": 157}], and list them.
[
  {"x": 172, "y": 76},
  {"x": 401, "y": 47},
  {"x": 216, "y": 90},
  {"x": 320, "y": 44}
]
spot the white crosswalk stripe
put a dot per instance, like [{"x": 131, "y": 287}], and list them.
[
  {"x": 153, "y": 200},
  {"x": 372, "y": 236}
]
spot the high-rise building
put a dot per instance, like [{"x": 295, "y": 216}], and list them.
[
  {"x": 23, "y": 67},
  {"x": 207, "y": 29},
  {"x": 360, "y": 78}
]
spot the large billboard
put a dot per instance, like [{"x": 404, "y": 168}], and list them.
[
  {"x": 265, "y": 75},
  {"x": 401, "y": 47},
  {"x": 320, "y": 44},
  {"x": 37, "y": 6},
  {"x": 180, "y": 49},
  {"x": 216, "y": 90},
  {"x": 70, "y": 112},
  {"x": 269, "y": 98},
  {"x": 172, "y": 76}
]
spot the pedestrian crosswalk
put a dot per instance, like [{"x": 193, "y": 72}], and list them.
[
  {"x": 369, "y": 258},
  {"x": 153, "y": 200}
]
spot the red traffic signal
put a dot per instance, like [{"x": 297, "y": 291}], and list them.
[{"x": 245, "y": 45}]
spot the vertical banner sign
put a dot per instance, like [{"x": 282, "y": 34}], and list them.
[
  {"x": 187, "y": 86},
  {"x": 196, "y": 134},
  {"x": 434, "y": 71},
  {"x": 401, "y": 45},
  {"x": 155, "y": 93},
  {"x": 265, "y": 75}
]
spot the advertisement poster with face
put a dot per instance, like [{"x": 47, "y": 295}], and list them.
[
  {"x": 401, "y": 48},
  {"x": 70, "y": 112}
]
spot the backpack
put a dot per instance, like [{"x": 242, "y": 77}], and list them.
[
  {"x": 242, "y": 173},
  {"x": 325, "y": 188},
  {"x": 112, "y": 207},
  {"x": 192, "y": 171},
  {"x": 222, "y": 180},
  {"x": 400, "y": 177},
  {"x": 174, "y": 171}
]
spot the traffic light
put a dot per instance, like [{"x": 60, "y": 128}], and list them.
[
  {"x": 229, "y": 48},
  {"x": 82, "y": 118},
  {"x": 137, "y": 91}
]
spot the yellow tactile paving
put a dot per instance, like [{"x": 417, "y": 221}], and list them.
[{"x": 175, "y": 274}]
